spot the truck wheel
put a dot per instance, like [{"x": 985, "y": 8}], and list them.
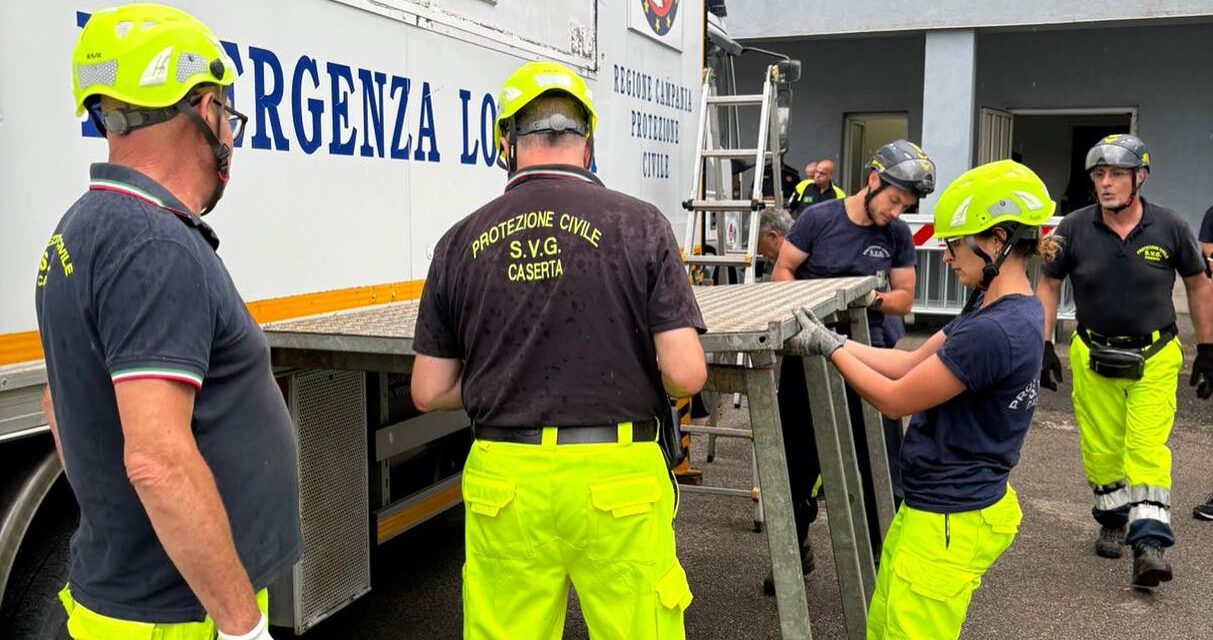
[{"x": 31, "y": 608}]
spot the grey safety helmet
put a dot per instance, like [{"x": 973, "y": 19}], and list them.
[
  {"x": 1119, "y": 150},
  {"x": 902, "y": 164}
]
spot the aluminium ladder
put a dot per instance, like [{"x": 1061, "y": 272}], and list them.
[{"x": 722, "y": 208}]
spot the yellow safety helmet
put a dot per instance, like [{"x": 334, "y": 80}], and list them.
[
  {"x": 996, "y": 193},
  {"x": 534, "y": 79},
  {"x": 146, "y": 55}
]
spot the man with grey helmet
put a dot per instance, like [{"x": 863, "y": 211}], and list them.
[{"x": 1121, "y": 255}]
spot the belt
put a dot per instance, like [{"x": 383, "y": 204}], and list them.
[
  {"x": 1144, "y": 341},
  {"x": 642, "y": 431}
]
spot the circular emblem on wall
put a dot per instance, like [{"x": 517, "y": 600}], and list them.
[{"x": 660, "y": 14}]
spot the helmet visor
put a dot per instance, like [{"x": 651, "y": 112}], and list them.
[
  {"x": 1111, "y": 155},
  {"x": 917, "y": 176}
]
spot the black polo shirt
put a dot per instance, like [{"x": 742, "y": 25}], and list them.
[
  {"x": 130, "y": 287},
  {"x": 1124, "y": 287},
  {"x": 551, "y": 294}
]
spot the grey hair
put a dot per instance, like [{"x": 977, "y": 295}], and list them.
[{"x": 776, "y": 219}]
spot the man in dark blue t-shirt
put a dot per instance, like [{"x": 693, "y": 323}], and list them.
[
  {"x": 858, "y": 236},
  {"x": 172, "y": 430}
]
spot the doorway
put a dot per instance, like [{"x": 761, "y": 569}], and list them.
[
  {"x": 865, "y": 133},
  {"x": 1054, "y": 143}
]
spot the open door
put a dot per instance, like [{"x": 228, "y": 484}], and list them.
[
  {"x": 865, "y": 133},
  {"x": 995, "y": 135}
]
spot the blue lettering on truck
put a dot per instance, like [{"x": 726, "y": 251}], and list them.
[{"x": 289, "y": 105}]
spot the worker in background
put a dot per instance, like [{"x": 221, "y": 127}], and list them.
[
  {"x": 972, "y": 389},
  {"x": 809, "y": 170},
  {"x": 1204, "y": 510},
  {"x": 859, "y": 236},
  {"x": 817, "y": 188},
  {"x": 559, "y": 315},
  {"x": 773, "y": 227},
  {"x": 1121, "y": 256},
  {"x": 171, "y": 427}
]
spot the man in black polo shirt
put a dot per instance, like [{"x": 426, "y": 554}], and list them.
[
  {"x": 560, "y": 316},
  {"x": 173, "y": 433},
  {"x": 1204, "y": 510},
  {"x": 1121, "y": 256}
]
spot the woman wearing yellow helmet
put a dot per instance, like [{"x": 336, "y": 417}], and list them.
[{"x": 972, "y": 388}]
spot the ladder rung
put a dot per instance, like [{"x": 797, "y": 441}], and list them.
[
  {"x": 727, "y": 260},
  {"x": 733, "y": 153},
  {"x": 722, "y": 205},
  {"x": 751, "y": 99}
]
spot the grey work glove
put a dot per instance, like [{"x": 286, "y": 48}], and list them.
[{"x": 814, "y": 339}]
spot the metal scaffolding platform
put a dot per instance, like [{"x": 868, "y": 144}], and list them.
[{"x": 753, "y": 320}]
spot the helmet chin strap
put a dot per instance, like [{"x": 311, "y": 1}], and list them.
[
  {"x": 990, "y": 269},
  {"x": 223, "y": 155},
  {"x": 867, "y": 201}
]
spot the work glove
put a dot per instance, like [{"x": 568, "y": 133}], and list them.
[
  {"x": 1202, "y": 371},
  {"x": 259, "y": 632},
  {"x": 814, "y": 339},
  {"x": 1050, "y": 370}
]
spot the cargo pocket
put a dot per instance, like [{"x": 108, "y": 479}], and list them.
[
  {"x": 624, "y": 521},
  {"x": 494, "y": 517},
  {"x": 1002, "y": 519},
  {"x": 673, "y": 598},
  {"x": 933, "y": 579}
]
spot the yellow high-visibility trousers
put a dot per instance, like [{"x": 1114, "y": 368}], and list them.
[
  {"x": 931, "y": 565},
  {"x": 1123, "y": 427},
  {"x": 540, "y": 517},
  {"x": 85, "y": 624}
]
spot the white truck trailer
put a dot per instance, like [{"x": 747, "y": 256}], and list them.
[{"x": 370, "y": 133}]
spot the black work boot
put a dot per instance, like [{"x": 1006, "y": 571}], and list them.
[
  {"x": 1149, "y": 567},
  {"x": 807, "y": 564},
  {"x": 1110, "y": 543}
]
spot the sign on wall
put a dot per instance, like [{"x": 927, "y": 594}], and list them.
[{"x": 657, "y": 19}]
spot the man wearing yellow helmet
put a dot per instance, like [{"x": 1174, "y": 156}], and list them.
[
  {"x": 560, "y": 317},
  {"x": 972, "y": 388},
  {"x": 1121, "y": 256},
  {"x": 172, "y": 430}
]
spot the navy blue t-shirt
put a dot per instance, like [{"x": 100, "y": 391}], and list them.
[
  {"x": 130, "y": 288},
  {"x": 957, "y": 456},
  {"x": 839, "y": 248}
]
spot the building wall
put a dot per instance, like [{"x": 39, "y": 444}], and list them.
[
  {"x": 799, "y": 18},
  {"x": 840, "y": 77},
  {"x": 1151, "y": 68}
]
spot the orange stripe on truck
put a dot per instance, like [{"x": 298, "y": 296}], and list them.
[
  {"x": 25, "y": 346},
  {"x": 409, "y": 517},
  {"x": 20, "y": 347}
]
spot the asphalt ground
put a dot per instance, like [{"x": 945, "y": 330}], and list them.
[{"x": 1048, "y": 585}]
